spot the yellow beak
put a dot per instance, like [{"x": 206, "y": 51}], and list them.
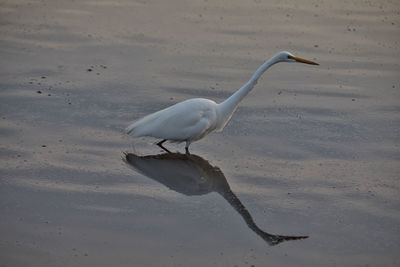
[{"x": 302, "y": 60}]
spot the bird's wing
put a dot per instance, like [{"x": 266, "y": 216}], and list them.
[
  {"x": 180, "y": 125},
  {"x": 183, "y": 121}
]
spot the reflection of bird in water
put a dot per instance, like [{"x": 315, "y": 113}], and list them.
[
  {"x": 193, "y": 119},
  {"x": 193, "y": 175}
]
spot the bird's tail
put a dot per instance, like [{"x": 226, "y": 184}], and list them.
[
  {"x": 143, "y": 126},
  {"x": 130, "y": 129}
]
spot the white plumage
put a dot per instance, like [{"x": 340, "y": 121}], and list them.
[{"x": 175, "y": 123}]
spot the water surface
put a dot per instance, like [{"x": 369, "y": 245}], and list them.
[{"x": 312, "y": 151}]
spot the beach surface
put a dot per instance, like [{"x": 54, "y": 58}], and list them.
[{"x": 311, "y": 151}]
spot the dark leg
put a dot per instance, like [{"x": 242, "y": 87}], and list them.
[
  {"x": 160, "y": 145},
  {"x": 187, "y": 148}
]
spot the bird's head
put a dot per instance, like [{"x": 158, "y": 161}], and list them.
[{"x": 288, "y": 57}]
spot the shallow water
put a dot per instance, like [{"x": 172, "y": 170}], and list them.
[{"x": 312, "y": 151}]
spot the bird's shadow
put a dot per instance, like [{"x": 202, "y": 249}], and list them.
[{"x": 192, "y": 175}]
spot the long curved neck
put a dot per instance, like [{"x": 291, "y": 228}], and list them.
[{"x": 228, "y": 107}]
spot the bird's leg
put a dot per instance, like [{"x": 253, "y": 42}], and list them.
[
  {"x": 160, "y": 145},
  {"x": 187, "y": 148}
]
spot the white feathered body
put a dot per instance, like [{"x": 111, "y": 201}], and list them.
[{"x": 188, "y": 121}]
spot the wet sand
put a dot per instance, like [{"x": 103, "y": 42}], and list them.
[{"x": 312, "y": 151}]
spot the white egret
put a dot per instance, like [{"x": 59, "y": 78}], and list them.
[{"x": 193, "y": 119}]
